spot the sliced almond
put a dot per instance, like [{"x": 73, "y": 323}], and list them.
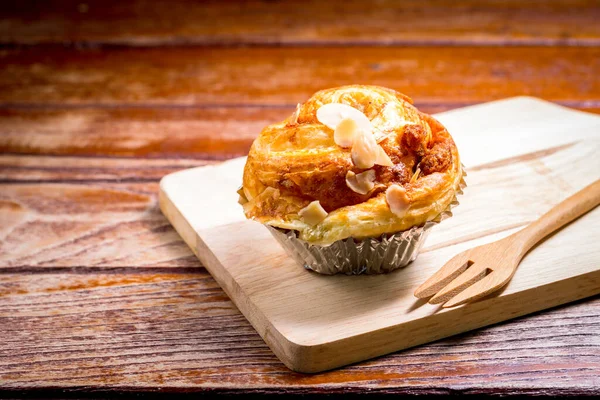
[
  {"x": 313, "y": 213},
  {"x": 361, "y": 183},
  {"x": 345, "y": 132},
  {"x": 415, "y": 175},
  {"x": 364, "y": 150},
  {"x": 332, "y": 114},
  {"x": 397, "y": 199},
  {"x": 383, "y": 158}
]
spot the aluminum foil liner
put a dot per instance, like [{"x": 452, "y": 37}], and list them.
[{"x": 365, "y": 256}]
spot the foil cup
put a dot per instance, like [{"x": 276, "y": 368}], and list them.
[{"x": 362, "y": 256}]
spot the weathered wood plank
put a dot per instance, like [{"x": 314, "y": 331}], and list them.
[
  {"x": 180, "y": 332},
  {"x": 64, "y": 169},
  {"x": 97, "y": 223},
  {"x": 136, "y": 330},
  {"x": 152, "y": 23},
  {"x": 216, "y": 133},
  {"x": 194, "y": 133},
  {"x": 285, "y": 76},
  {"x": 89, "y": 225}
]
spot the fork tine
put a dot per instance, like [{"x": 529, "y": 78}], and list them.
[
  {"x": 461, "y": 282},
  {"x": 453, "y": 268},
  {"x": 487, "y": 285}
]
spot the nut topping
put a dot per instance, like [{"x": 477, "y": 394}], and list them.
[
  {"x": 353, "y": 129},
  {"x": 332, "y": 114},
  {"x": 345, "y": 132},
  {"x": 383, "y": 158},
  {"x": 416, "y": 175},
  {"x": 397, "y": 199},
  {"x": 313, "y": 213},
  {"x": 364, "y": 150},
  {"x": 361, "y": 183}
]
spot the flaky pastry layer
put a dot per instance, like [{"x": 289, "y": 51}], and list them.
[{"x": 296, "y": 161}]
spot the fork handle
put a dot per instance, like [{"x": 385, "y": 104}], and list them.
[{"x": 559, "y": 215}]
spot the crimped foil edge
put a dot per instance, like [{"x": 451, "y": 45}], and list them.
[{"x": 366, "y": 256}]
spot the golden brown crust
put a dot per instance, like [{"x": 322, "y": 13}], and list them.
[
  {"x": 415, "y": 139},
  {"x": 295, "y": 162}
]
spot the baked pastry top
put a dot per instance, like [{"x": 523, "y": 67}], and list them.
[{"x": 306, "y": 175}]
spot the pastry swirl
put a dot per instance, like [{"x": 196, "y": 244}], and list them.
[{"x": 296, "y": 162}]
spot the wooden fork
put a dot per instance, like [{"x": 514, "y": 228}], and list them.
[{"x": 477, "y": 272}]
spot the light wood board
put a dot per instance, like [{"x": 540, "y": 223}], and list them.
[{"x": 522, "y": 155}]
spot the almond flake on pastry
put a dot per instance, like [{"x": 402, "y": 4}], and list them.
[
  {"x": 332, "y": 114},
  {"x": 415, "y": 175},
  {"x": 383, "y": 158},
  {"x": 364, "y": 150},
  {"x": 313, "y": 213},
  {"x": 397, "y": 200},
  {"x": 345, "y": 132},
  {"x": 361, "y": 183},
  {"x": 303, "y": 162}
]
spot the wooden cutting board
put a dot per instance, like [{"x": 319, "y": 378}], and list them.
[{"x": 522, "y": 155}]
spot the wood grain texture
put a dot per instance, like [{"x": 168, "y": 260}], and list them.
[
  {"x": 180, "y": 332},
  {"x": 562, "y": 368},
  {"x": 15, "y": 168},
  {"x": 200, "y": 133},
  {"x": 480, "y": 271},
  {"x": 99, "y": 295},
  {"x": 161, "y": 135},
  {"x": 75, "y": 206},
  {"x": 285, "y": 76},
  {"x": 89, "y": 226},
  {"x": 155, "y": 23},
  {"x": 335, "y": 327}
]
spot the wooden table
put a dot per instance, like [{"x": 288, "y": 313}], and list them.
[{"x": 100, "y": 99}]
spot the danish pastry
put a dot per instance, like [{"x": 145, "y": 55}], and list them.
[{"x": 351, "y": 162}]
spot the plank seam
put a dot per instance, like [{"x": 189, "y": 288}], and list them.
[
  {"x": 83, "y": 270},
  {"x": 191, "y": 42},
  {"x": 587, "y": 103}
]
